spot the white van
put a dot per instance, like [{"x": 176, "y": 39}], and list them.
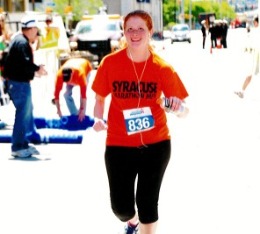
[{"x": 98, "y": 34}]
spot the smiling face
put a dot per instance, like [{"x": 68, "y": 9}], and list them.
[{"x": 137, "y": 30}]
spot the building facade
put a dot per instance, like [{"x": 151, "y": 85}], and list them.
[
  {"x": 13, "y": 6},
  {"x": 122, "y": 7}
]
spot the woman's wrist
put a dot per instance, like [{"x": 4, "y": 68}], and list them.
[{"x": 96, "y": 119}]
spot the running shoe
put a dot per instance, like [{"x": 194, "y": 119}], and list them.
[
  {"x": 239, "y": 94},
  {"x": 33, "y": 150},
  {"x": 23, "y": 153},
  {"x": 131, "y": 229}
]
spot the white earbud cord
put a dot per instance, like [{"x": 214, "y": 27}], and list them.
[{"x": 138, "y": 86}]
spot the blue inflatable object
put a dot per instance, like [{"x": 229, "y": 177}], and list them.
[
  {"x": 57, "y": 136},
  {"x": 65, "y": 130},
  {"x": 5, "y": 137},
  {"x": 70, "y": 122},
  {"x": 45, "y": 136},
  {"x": 2, "y": 124}
]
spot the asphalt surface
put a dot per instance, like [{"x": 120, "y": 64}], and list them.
[{"x": 212, "y": 181}]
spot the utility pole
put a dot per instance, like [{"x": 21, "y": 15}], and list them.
[
  {"x": 161, "y": 16},
  {"x": 33, "y": 5}
]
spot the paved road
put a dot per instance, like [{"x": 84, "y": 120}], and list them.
[{"x": 212, "y": 182}]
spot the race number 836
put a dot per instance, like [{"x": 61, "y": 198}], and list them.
[{"x": 138, "y": 120}]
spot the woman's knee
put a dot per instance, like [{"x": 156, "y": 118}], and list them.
[{"x": 123, "y": 214}]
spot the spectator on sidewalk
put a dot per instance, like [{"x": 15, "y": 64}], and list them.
[
  {"x": 255, "y": 50},
  {"x": 213, "y": 35},
  {"x": 138, "y": 145},
  {"x": 224, "y": 33},
  {"x": 5, "y": 32},
  {"x": 204, "y": 34},
  {"x": 5, "y": 36},
  {"x": 74, "y": 72},
  {"x": 19, "y": 71},
  {"x": 50, "y": 34}
]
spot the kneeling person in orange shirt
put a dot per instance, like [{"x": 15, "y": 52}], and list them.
[{"x": 73, "y": 72}]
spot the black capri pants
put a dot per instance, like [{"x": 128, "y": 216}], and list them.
[{"x": 146, "y": 164}]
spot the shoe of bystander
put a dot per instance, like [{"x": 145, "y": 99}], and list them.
[{"x": 24, "y": 153}]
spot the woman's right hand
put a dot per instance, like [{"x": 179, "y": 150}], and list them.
[{"x": 99, "y": 125}]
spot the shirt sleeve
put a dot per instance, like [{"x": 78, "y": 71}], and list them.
[
  {"x": 172, "y": 86},
  {"x": 83, "y": 86},
  {"x": 58, "y": 85}
]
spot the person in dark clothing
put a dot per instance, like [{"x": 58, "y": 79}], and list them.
[
  {"x": 212, "y": 31},
  {"x": 203, "y": 30},
  {"x": 19, "y": 70},
  {"x": 224, "y": 33},
  {"x": 218, "y": 33}
]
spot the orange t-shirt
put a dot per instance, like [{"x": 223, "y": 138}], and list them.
[
  {"x": 116, "y": 76},
  {"x": 81, "y": 68}
]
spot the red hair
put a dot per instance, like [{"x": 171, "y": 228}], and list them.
[{"x": 143, "y": 15}]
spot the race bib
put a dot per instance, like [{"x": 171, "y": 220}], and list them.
[{"x": 138, "y": 120}]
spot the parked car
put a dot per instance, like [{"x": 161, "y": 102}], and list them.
[
  {"x": 98, "y": 34},
  {"x": 180, "y": 32}
]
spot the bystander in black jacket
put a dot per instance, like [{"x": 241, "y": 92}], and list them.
[{"x": 19, "y": 65}]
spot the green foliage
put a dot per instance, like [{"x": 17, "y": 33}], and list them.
[
  {"x": 172, "y": 9},
  {"x": 169, "y": 14},
  {"x": 79, "y": 7}
]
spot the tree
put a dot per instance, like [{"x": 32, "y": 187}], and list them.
[
  {"x": 171, "y": 10},
  {"x": 79, "y": 7}
]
